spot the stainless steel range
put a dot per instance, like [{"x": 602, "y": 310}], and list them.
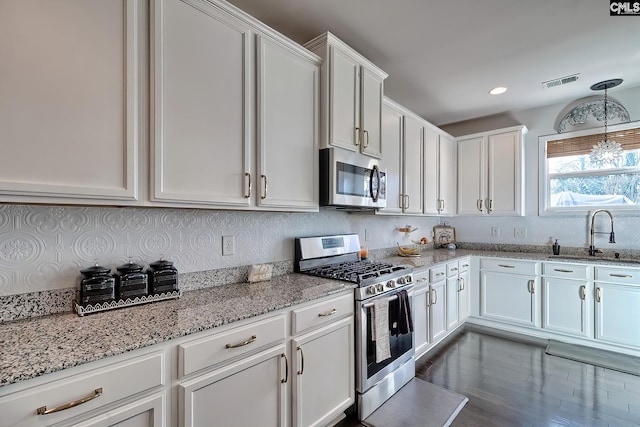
[{"x": 381, "y": 368}]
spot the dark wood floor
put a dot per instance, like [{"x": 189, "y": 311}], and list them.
[{"x": 511, "y": 383}]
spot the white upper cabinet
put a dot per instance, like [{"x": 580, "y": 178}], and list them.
[
  {"x": 212, "y": 64},
  {"x": 490, "y": 173},
  {"x": 351, "y": 99},
  {"x": 439, "y": 172},
  {"x": 288, "y": 89},
  {"x": 412, "y": 193},
  {"x": 70, "y": 101}
]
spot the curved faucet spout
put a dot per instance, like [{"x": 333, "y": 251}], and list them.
[{"x": 612, "y": 238}]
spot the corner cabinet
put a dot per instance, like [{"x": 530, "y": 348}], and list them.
[
  {"x": 213, "y": 67},
  {"x": 351, "y": 99},
  {"x": 70, "y": 112},
  {"x": 490, "y": 173}
]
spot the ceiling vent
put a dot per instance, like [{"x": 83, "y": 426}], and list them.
[{"x": 561, "y": 81}]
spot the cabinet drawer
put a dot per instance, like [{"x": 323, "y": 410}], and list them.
[
  {"x": 570, "y": 271},
  {"x": 98, "y": 388},
  {"x": 321, "y": 313},
  {"x": 421, "y": 277},
  {"x": 453, "y": 268},
  {"x": 618, "y": 275},
  {"x": 509, "y": 266},
  {"x": 437, "y": 273},
  {"x": 209, "y": 351},
  {"x": 465, "y": 264}
]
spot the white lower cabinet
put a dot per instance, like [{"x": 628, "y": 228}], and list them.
[
  {"x": 249, "y": 392},
  {"x": 617, "y": 298},
  {"x": 567, "y": 299},
  {"x": 437, "y": 310},
  {"x": 421, "y": 319},
  {"x": 509, "y": 291},
  {"x": 102, "y": 394},
  {"x": 323, "y": 368},
  {"x": 464, "y": 290}
]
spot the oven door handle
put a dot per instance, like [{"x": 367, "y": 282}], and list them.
[{"x": 391, "y": 298}]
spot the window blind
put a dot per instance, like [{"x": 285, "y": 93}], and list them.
[{"x": 629, "y": 139}]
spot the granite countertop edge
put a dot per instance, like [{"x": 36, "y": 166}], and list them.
[{"x": 37, "y": 346}]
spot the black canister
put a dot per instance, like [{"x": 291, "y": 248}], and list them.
[
  {"x": 96, "y": 285},
  {"x": 163, "y": 277},
  {"x": 131, "y": 281}
]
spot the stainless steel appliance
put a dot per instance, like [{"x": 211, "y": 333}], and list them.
[
  {"x": 338, "y": 257},
  {"x": 351, "y": 180}
]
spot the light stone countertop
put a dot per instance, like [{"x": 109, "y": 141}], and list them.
[{"x": 40, "y": 345}]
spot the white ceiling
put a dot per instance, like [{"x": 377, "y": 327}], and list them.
[{"x": 444, "y": 56}]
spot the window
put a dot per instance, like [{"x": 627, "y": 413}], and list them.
[{"x": 579, "y": 172}]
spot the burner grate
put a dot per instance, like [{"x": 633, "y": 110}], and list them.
[{"x": 355, "y": 272}]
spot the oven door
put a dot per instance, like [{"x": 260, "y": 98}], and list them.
[
  {"x": 368, "y": 372},
  {"x": 351, "y": 179}
]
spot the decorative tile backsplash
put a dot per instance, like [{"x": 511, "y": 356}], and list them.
[{"x": 45, "y": 247}]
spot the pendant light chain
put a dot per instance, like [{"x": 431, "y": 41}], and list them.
[{"x": 605, "y": 114}]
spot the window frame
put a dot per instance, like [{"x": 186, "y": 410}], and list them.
[{"x": 544, "y": 185}]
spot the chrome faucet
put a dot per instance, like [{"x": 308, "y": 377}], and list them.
[{"x": 612, "y": 238}]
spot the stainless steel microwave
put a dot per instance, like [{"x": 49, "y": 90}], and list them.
[{"x": 351, "y": 180}]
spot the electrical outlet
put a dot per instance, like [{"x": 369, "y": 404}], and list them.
[
  {"x": 520, "y": 232},
  {"x": 495, "y": 231},
  {"x": 228, "y": 245}
]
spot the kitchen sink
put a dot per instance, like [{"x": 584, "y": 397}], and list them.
[{"x": 593, "y": 259}]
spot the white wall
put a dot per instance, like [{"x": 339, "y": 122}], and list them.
[
  {"x": 44, "y": 247},
  {"x": 570, "y": 231}
]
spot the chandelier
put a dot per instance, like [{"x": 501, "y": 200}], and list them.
[{"x": 606, "y": 153}]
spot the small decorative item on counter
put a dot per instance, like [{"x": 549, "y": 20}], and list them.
[
  {"x": 556, "y": 248},
  {"x": 408, "y": 251},
  {"x": 451, "y": 246},
  {"x": 260, "y": 273},
  {"x": 97, "y": 285},
  {"x": 364, "y": 253},
  {"x": 407, "y": 229},
  {"x": 131, "y": 281},
  {"x": 443, "y": 235},
  {"x": 163, "y": 277}
]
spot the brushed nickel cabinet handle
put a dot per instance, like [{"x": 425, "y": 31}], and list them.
[
  {"x": 583, "y": 292},
  {"x": 44, "y": 411},
  {"x": 286, "y": 369},
  {"x": 243, "y": 343},
  {"x": 366, "y": 139},
  {"x": 506, "y": 266},
  {"x": 301, "y": 371},
  {"x": 454, "y": 269},
  {"x": 439, "y": 274},
  {"x": 248, "y": 193},
  {"x": 264, "y": 195},
  {"x": 435, "y": 297},
  {"x": 408, "y": 200},
  {"x": 465, "y": 265},
  {"x": 357, "y": 140},
  {"x": 561, "y": 270},
  {"x": 624, "y": 276},
  {"x": 328, "y": 313},
  {"x": 490, "y": 205},
  {"x": 532, "y": 286},
  {"x": 599, "y": 294},
  {"x": 461, "y": 281},
  {"x": 479, "y": 205}
]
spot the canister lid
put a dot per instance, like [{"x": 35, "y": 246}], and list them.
[
  {"x": 161, "y": 264},
  {"x": 96, "y": 270},
  {"x": 130, "y": 267}
]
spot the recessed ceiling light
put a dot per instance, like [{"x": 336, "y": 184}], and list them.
[{"x": 498, "y": 90}]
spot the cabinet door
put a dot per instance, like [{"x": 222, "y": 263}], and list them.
[
  {"x": 250, "y": 392},
  {"x": 70, "y": 101},
  {"x": 438, "y": 310},
  {"x": 323, "y": 366},
  {"x": 447, "y": 173},
  {"x": 452, "y": 302},
  {"x": 412, "y": 165},
  {"x": 509, "y": 298},
  {"x": 202, "y": 95},
  {"x": 617, "y": 314},
  {"x": 471, "y": 176},
  {"x": 565, "y": 306},
  {"x": 392, "y": 146},
  {"x": 344, "y": 100},
  {"x": 464, "y": 308},
  {"x": 504, "y": 174},
  {"x": 287, "y": 128},
  {"x": 146, "y": 412},
  {"x": 371, "y": 105},
  {"x": 421, "y": 320},
  {"x": 431, "y": 172}
]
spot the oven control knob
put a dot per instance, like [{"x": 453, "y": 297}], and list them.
[
  {"x": 391, "y": 284},
  {"x": 401, "y": 280},
  {"x": 408, "y": 278},
  {"x": 380, "y": 287},
  {"x": 371, "y": 290}
]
